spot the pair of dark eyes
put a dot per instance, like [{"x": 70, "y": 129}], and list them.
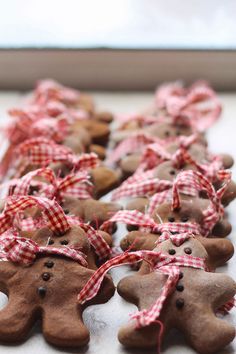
[
  {"x": 183, "y": 219},
  {"x": 62, "y": 242},
  {"x": 167, "y": 133}
]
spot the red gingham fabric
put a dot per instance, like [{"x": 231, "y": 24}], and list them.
[
  {"x": 197, "y": 105},
  {"x": 38, "y": 124},
  {"x": 143, "y": 188},
  {"x": 154, "y": 154},
  {"x": 100, "y": 246},
  {"x": 75, "y": 184},
  {"x": 56, "y": 218},
  {"x": 138, "y": 141},
  {"x": 199, "y": 182},
  {"x": 23, "y": 250},
  {"x": 134, "y": 217},
  {"x": 41, "y": 152},
  {"x": 135, "y": 143},
  {"x": 57, "y": 221},
  {"x": 160, "y": 262},
  {"x": 47, "y": 90}
]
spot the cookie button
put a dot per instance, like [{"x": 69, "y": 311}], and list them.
[
  {"x": 66, "y": 211},
  {"x": 41, "y": 291},
  {"x": 179, "y": 303},
  {"x": 188, "y": 250},
  {"x": 172, "y": 251},
  {"x": 49, "y": 264},
  {"x": 181, "y": 274},
  {"x": 45, "y": 276},
  {"x": 179, "y": 287}
]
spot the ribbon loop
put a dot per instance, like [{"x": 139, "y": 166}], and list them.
[{"x": 22, "y": 250}]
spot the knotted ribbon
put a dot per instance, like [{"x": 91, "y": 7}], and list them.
[
  {"x": 57, "y": 221},
  {"x": 41, "y": 152},
  {"x": 197, "y": 106},
  {"x": 23, "y": 250},
  {"x": 75, "y": 184}
]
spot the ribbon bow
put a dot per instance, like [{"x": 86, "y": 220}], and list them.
[
  {"x": 41, "y": 152},
  {"x": 176, "y": 239},
  {"x": 197, "y": 106},
  {"x": 74, "y": 184},
  {"x": 134, "y": 217},
  {"x": 57, "y": 221},
  {"x": 22, "y": 250}
]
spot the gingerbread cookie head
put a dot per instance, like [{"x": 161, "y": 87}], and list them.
[
  {"x": 189, "y": 211},
  {"x": 75, "y": 237},
  {"x": 219, "y": 250},
  {"x": 89, "y": 210},
  {"x": 168, "y": 130}
]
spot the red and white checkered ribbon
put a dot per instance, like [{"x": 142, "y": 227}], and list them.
[
  {"x": 47, "y": 90},
  {"x": 56, "y": 220},
  {"x": 197, "y": 106},
  {"x": 24, "y": 251},
  {"x": 196, "y": 180},
  {"x": 160, "y": 262},
  {"x": 144, "y": 184},
  {"x": 75, "y": 184},
  {"x": 143, "y": 187},
  {"x": 154, "y": 154},
  {"x": 38, "y": 123},
  {"x": 41, "y": 152},
  {"x": 138, "y": 141},
  {"x": 135, "y": 143},
  {"x": 176, "y": 239},
  {"x": 136, "y": 218}
]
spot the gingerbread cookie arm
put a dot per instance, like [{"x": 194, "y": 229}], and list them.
[
  {"x": 222, "y": 228},
  {"x": 139, "y": 204},
  {"x": 7, "y": 271},
  {"x": 227, "y": 160},
  {"x": 219, "y": 250},
  {"x": 230, "y": 194},
  {"x": 138, "y": 240},
  {"x": 104, "y": 180}
]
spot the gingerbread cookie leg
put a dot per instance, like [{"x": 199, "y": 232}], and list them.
[
  {"x": 56, "y": 329},
  {"x": 16, "y": 319},
  {"x": 217, "y": 333}
]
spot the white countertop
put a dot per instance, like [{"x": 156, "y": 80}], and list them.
[{"x": 104, "y": 320}]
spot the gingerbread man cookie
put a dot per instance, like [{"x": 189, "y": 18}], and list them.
[{"x": 50, "y": 283}]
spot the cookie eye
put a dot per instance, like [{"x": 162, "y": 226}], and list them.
[
  {"x": 188, "y": 250},
  {"x": 172, "y": 172},
  {"x": 51, "y": 242},
  {"x": 167, "y": 134},
  {"x": 64, "y": 242},
  {"x": 171, "y": 219},
  {"x": 172, "y": 251},
  {"x": 178, "y": 133},
  {"x": 66, "y": 211},
  {"x": 184, "y": 218}
]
